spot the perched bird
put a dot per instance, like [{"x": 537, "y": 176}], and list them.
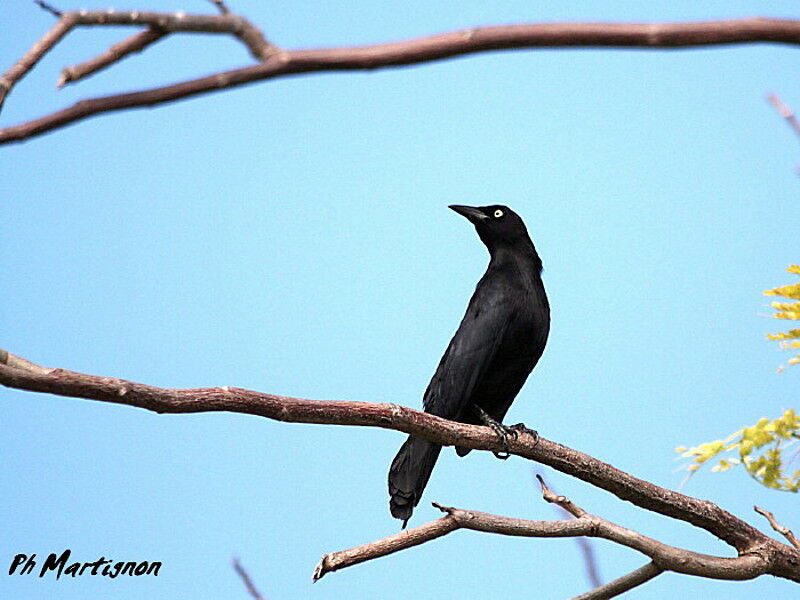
[{"x": 499, "y": 341}]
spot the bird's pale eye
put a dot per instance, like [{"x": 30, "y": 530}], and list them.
[{"x": 498, "y": 213}]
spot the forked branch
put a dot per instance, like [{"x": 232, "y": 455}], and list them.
[
  {"x": 663, "y": 557},
  {"x": 158, "y": 25},
  {"x": 276, "y": 62}
]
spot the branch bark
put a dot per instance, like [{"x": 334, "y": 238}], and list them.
[
  {"x": 278, "y": 63},
  {"x": 165, "y": 23},
  {"x": 622, "y": 584},
  {"x": 774, "y": 557},
  {"x": 664, "y": 557},
  {"x": 135, "y": 43}
]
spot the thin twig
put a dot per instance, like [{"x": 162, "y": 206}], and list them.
[
  {"x": 248, "y": 583},
  {"x": 220, "y": 6},
  {"x": 44, "y": 5},
  {"x": 784, "y": 111},
  {"x": 783, "y": 530},
  {"x": 228, "y": 23},
  {"x": 562, "y": 501},
  {"x": 135, "y": 43},
  {"x": 280, "y": 63},
  {"x": 589, "y": 561}
]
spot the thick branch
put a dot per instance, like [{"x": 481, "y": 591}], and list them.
[
  {"x": 21, "y": 374},
  {"x": 430, "y": 48}
]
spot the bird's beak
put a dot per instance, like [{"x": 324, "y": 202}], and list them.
[{"x": 475, "y": 215}]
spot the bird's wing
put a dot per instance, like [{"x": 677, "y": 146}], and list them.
[{"x": 471, "y": 350}]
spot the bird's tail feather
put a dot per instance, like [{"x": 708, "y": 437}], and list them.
[{"x": 409, "y": 474}]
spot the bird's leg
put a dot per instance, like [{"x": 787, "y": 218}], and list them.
[{"x": 501, "y": 430}]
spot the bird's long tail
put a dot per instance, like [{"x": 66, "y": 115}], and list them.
[{"x": 409, "y": 474}]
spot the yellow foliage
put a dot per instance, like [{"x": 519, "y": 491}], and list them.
[
  {"x": 763, "y": 448},
  {"x": 760, "y": 448},
  {"x": 788, "y": 291},
  {"x": 787, "y": 310},
  {"x": 787, "y": 315},
  {"x": 789, "y": 335},
  {"x": 793, "y": 307}
]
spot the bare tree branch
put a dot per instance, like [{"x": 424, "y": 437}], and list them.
[
  {"x": 788, "y": 114},
  {"x": 562, "y": 501},
  {"x": 278, "y": 63},
  {"x": 406, "y": 538},
  {"x": 17, "y": 362},
  {"x": 622, "y": 584},
  {"x": 33, "y": 56},
  {"x": 248, "y": 583},
  {"x": 619, "y": 585},
  {"x": 135, "y": 43},
  {"x": 783, "y": 530},
  {"x": 759, "y": 551},
  {"x": 166, "y": 23},
  {"x": 666, "y": 558}
]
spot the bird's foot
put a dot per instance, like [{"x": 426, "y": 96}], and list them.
[
  {"x": 521, "y": 428},
  {"x": 502, "y": 431}
]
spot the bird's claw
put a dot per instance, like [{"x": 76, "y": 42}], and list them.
[
  {"x": 521, "y": 428},
  {"x": 502, "y": 431}
]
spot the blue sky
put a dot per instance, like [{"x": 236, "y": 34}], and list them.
[{"x": 293, "y": 237}]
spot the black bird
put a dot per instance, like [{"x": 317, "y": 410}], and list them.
[{"x": 499, "y": 341}]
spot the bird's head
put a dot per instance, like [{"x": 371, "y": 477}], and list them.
[{"x": 498, "y": 226}]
